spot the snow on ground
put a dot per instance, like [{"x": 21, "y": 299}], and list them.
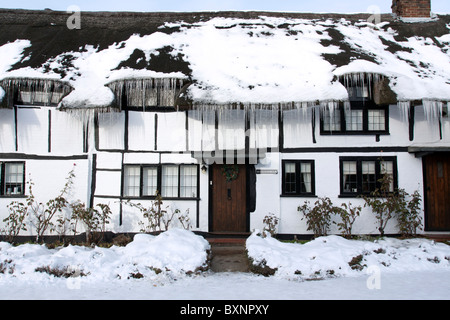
[{"x": 390, "y": 269}]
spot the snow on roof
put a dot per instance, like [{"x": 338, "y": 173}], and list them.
[{"x": 230, "y": 57}]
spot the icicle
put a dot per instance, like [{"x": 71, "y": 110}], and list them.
[
  {"x": 363, "y": 80},
  {"x": 34, "y": 91},
  {"x": 432, "y": 110},
  {"x": 404, "y": 107},
  {"x": 149, "y": 92},
  {"x": 84, "y": 115}
]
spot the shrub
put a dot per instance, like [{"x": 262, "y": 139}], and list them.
[
  {"x": 7, "y": 267},
  {"x": 409, "y": 218},
  {"x": 319, "y": 217},
  {"x": 355, "y": 263},
  {"x": 158, "y": 218},
  {"x": 64, "y": 272},
  {"x": 15, "y": 221},
  {"x": 348, "y": 214},
  {"x": 387, "y": 205},
  {"x": 384, "y": 203},
  {"x": 94, "y": 220},
  {"x": 270, "y": 225},
  {"x": 121, "y": 240}
]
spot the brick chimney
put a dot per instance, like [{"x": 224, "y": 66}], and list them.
[{"x": 412, "y": 8}]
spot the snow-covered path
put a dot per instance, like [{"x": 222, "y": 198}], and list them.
[{"x": 239, "y": 286}]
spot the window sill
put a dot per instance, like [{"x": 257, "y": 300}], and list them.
[
  {"x": 309, "y": 195},
  {"x": 354, "y": 133},
  {"x": 358, "y": 195},
  {"x": 163, "y": 198},
  {"x": 12, "y": 196}
]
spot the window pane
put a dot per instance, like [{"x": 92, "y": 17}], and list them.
[
  {"x": 349, "y": 176},
  {"x": 358, "y": 93},
  {"x": 369, "y": 180},
  {"x": 305, "y": 177},
  {"x": 34, "y": 97},
  {"x": 131, "y": 181},
  {"x": 150, "y": 180},
  {"x": 354, "y": 120},
  {"x": 14, "y": 178},
  {"x": 331, "y": 120},
  {"x": 289, "y": 178},
  {"x": 188, "y": 181},
  {"x": 387, "y": 167},
  {"x": 376, "y": 120},
  {"x": 169, "y": 181}
]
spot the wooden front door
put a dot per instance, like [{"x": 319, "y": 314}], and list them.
[
  {"x": 437, "y": 191},
  {"x": 228, "y": 198}
]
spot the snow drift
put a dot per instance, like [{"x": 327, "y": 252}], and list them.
[
  {"x": 334, "y": 256},
  {"x": 172, "y": 253}
]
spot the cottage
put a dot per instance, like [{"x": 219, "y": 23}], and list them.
[{"x": 228, "y": 115}]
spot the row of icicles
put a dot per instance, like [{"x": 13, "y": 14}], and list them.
[{"x": 164, "y": 91}]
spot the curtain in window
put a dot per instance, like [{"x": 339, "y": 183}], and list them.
[
  {"x": 387, "y": 167},
  {"x": 305, "y": 169},
  {"x": 188, "y": 181},
  {"x": 369, "y": 180},
  {"x": 290, "y": 178},
  {"x": 169, "y": 181},
  {"x": 13, "y": 178},
  {"x": 376, "y": 120},
  {"x": 150, "y": 180},
  {"x": 131, "y": 181},
  {"x": 354, "y": 120},
  {"x": 349, "y": 175}
]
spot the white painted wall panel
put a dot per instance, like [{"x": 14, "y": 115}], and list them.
[
  {"x": 108, "y": 183},
  {"x": 141, "y": 131},
  {"x": 171, "y": 131},
  {"x": 32, "y": 130},
  {"x": 7, "y": 136},
  {"x": 111, "y": 130},
  {"x": 66, "y": 133}
]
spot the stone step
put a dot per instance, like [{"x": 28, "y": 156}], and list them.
[{"x": 229, "y": 258}]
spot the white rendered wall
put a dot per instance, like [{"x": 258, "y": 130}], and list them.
[
  {"x": 49, "y": 177},
  {"x": 327, "y": 182},
  {"x": 7, "y": 140}
]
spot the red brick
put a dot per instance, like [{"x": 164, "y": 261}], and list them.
[{"x": 412, "y": 8}]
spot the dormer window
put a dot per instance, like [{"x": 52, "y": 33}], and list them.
[
  {"x": 146, "y": 93},
  {"x": 361, "y": 114},
  {"x": 35, "y": 92},
  {"x": 358, "y": 93}
]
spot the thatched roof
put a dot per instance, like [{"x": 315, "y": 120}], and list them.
[{"x": 227, "y": 57}]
